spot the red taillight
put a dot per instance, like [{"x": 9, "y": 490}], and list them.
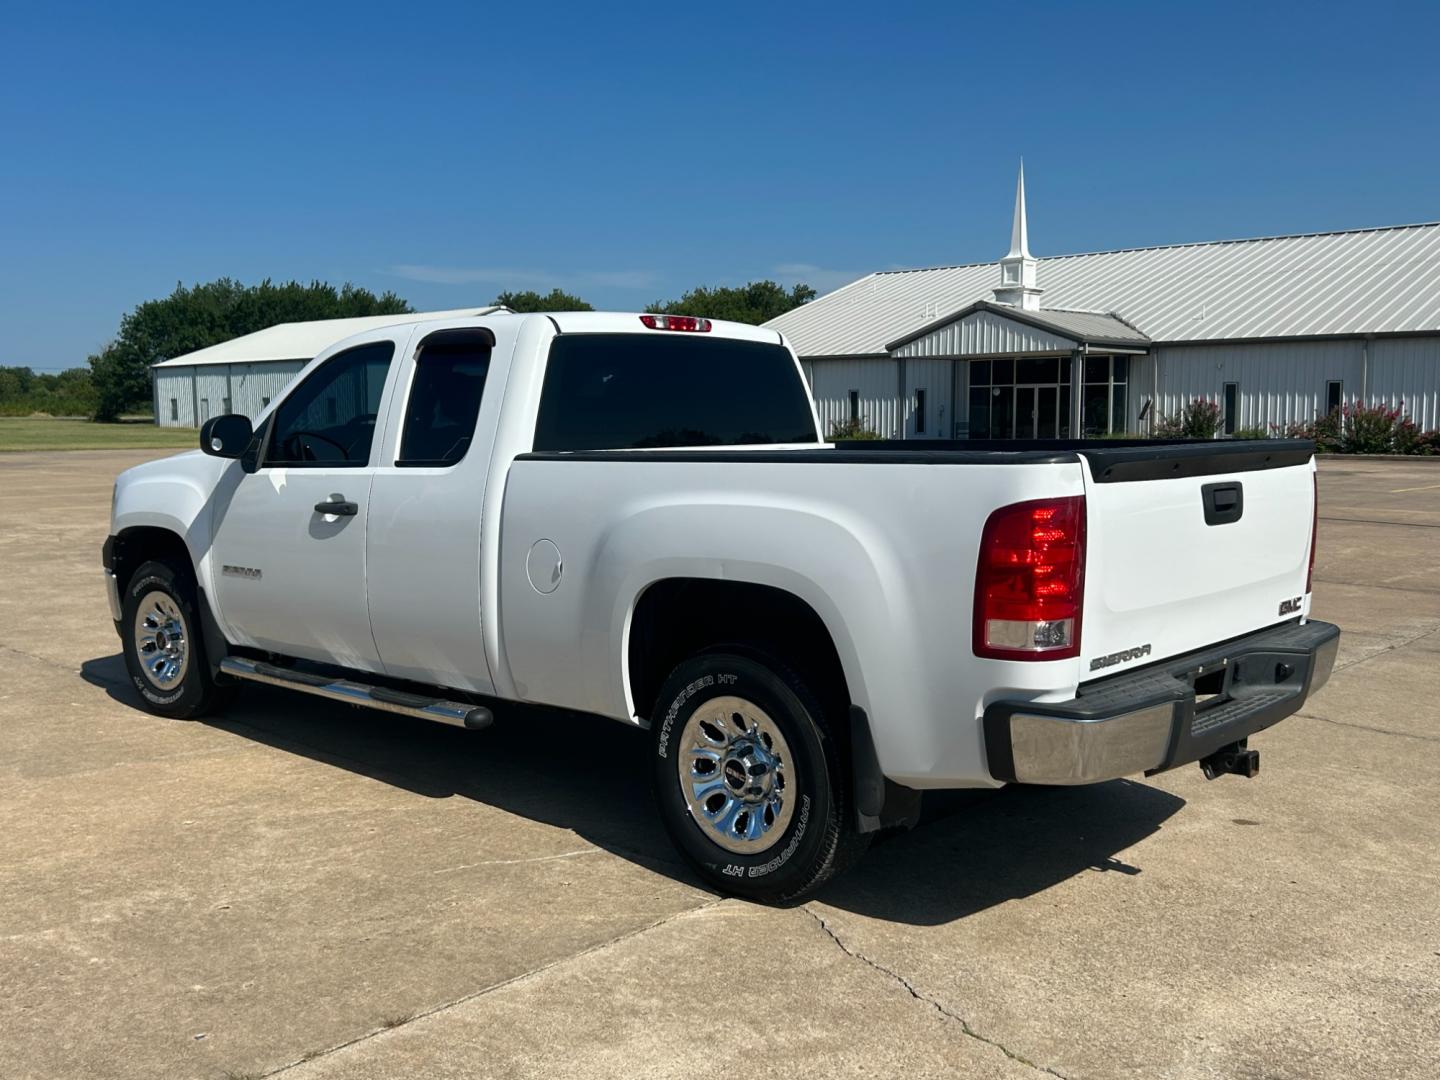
[
  {"x": 1029, "y": 586},
  {"x": 1314, "y": 530},
  {"x": 676, "y": 322}
]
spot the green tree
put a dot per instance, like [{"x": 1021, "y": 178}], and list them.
[
  {"x": 203, "y": 315},
  {"x": 530, "y": 300},
  {"x": 22, "y": 391},
  {"x": 756, "y": 302}
]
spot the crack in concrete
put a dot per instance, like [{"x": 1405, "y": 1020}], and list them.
[
  {"x": 1368, "y": 727},
  {"x": 1367, "y": 585},
  {"x": 313, "y": 1056},
  {"x": 909, "y": 987},
  {"x": 1388, "y": 648},
  {"x": 517, "y": 862},
  {"x": 47, "y": 661}
]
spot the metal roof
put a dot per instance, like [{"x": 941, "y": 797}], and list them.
[
  {"x": 304, "y": 340},
  {"x": 1078, "y": 326},
  {"x": 1365, "y": 281}
]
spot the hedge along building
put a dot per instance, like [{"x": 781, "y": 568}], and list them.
[
  {"x": 1275, "y": 330},
  {"x": 243, "y": 374}
]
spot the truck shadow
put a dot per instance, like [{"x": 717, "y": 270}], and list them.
[{"x": 971, "y": 851}]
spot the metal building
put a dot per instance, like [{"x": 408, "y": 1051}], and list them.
[
  {"x": 243, "y": 374},
  {"x": 1275, "y": 330}
]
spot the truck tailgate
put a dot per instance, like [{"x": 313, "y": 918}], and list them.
[{"x": 1189, "y": 545}]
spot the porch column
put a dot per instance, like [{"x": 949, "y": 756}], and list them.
[{"x": 1077, "y": 389}]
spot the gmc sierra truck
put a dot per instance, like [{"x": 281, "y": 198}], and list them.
[{"x": 637, "y": 517}]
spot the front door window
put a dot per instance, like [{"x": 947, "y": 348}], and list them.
[{"x": 329, "y": 419}]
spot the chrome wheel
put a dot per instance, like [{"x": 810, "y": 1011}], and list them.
[
  {"x": 161, "y": 640},
  {"x": 737, "y": 774}
]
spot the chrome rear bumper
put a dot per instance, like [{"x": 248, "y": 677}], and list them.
[{"x": 1150, "y": 720}]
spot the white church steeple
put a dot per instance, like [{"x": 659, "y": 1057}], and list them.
[{"x": 1017, "y": 269}]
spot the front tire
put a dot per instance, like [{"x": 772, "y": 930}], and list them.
[
  {"x": 164, "y": 650},
  {"x": 749, "y": 781}
]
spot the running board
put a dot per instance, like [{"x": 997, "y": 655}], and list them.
[{"x": 455, "y": 713}]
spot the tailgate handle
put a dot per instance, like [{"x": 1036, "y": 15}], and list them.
[{"x": 1224, "y": 503}]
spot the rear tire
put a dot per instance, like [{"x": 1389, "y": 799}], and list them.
[
  {"x": 750, "y": 784},
  {"x": 164, "y": 648}
]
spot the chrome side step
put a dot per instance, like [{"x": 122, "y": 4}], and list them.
[{"x": 455, "y": 713}]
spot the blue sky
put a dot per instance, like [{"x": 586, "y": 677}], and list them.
[{"x": 626, "y": 153}]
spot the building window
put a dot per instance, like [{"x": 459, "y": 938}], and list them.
[
  {"x": 1106, "y": 401},
  {"x": 854, "y": 406},
  {"x": 1025, "y": 397},
  {"x": 1334, "y": 395},
  {"x": 204, "y": 409},
  {"x": 174, "y": 409},
  {"x": 920, "y": 412},
  {"x": 1232, "y": 407},
  {"x": 1119, "y": 396}
]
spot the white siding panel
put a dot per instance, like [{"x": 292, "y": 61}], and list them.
[
  {"x": 247, "y": 385},
  {"x": 1141, "y": 388},
  {"x": 1406, "y": 371},
  {"x": 932, "y": 376},
  {"x": 251, "y": 384},
  {"x": 174, "y": 384},
  {"x": 985, "y": 333},
  {"x": 1279, "y": 382},
  {"x": 876, "y": 380},
  {"x": 211, "y": 389}
]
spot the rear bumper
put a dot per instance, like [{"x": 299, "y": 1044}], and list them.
[{"x": 1150, "y": 720}]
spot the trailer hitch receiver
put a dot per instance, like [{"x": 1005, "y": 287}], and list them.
[{"x": 1234, "y": 758}]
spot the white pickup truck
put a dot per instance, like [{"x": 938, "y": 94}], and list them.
[{"x": 635, "y": 516}]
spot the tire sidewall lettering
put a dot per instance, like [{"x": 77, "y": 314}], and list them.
[
  {"x": 784, "y": 856},
  {"x": 663, "y": 742},
  {"x": 813, "y": 808},
  {"x": 149, "y": 693}
]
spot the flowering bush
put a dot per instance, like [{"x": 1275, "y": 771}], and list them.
[
  {"x": 1365, "y": 429},
  {"x": 1324, "y": 431},
  {"x": 1198, "y": 419},
  {"x": 851, "y": 429}
]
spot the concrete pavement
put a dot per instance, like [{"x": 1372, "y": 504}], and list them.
[{"x": 304, "y": 889}]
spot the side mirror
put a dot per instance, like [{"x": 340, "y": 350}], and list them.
[{"x": 226, "y": 436}]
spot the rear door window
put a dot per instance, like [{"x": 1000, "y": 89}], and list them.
[
  {"x": 643, "y": 391},
  {"x": 450, "y": 371}
]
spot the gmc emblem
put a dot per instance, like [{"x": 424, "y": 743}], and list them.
[{"x": 1290, "y": 607}]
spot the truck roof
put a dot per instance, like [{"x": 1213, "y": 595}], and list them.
[
  {"x": 303, "y": 341},
  {"x": 628, "y": 322}
]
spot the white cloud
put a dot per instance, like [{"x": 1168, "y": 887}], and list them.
[
  {"x": 524, "y": 279},
  {"x": 818, "y": 277}
]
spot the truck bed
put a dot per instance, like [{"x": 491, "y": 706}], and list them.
[{"x": 1109, "y": 460}]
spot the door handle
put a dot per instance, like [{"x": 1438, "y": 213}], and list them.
[
  {"x": 339, "y": 507},
  {"x": 1224, "y": 503}
]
